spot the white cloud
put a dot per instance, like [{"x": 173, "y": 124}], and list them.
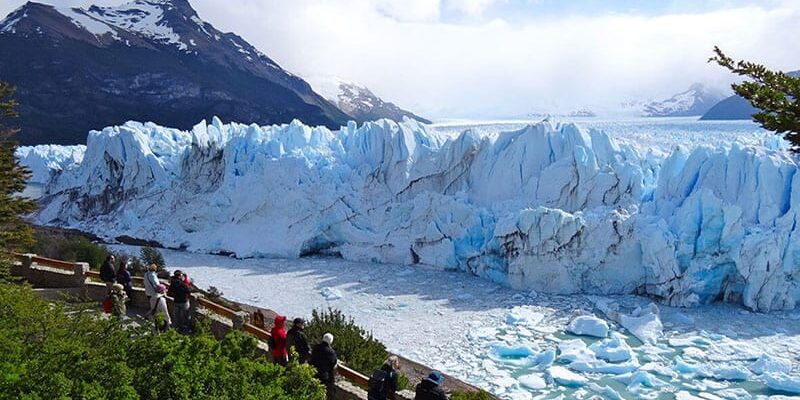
[
  {"x": 469, "y": 7},
  {"x": 482, "y": 68},
  {"x": 409, "y": 10}
]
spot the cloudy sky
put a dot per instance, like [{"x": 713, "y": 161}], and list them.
[{"x": 501, "y": 58}]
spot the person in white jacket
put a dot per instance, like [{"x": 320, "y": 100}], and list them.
[
  {"x": 159, "y": 309},
  {"x": 151, "y": 282}
]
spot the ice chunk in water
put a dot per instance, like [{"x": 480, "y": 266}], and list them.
[
  {"x": 771, "y": 364},
  {"x": 330, "y": 293},
  {"x": 588, "y": 325},
  {"x": 644, "y": 324},
  {"x": 783, "y": 382},
  {"x": 574, "y": 350},
  {"x": 613, "y": 349},
  {"x": 565, "y": 377},
  {"x": 532, "y": 381}
]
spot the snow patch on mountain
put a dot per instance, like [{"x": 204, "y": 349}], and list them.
[
  {"x": 554, "y": 208},
  {"x": 358, "y": 101},
  {"x": 695, "y": 101}
]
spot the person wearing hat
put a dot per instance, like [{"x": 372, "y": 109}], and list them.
[
  {"x": 324, "y": 359},
  {"x": 151, "y": 282},
  {"x": 118, "y": 299},
  {"x": 180, "y": 293},
  {"x": 297, "y": 339},
  {"x": 430, "y": 387}
]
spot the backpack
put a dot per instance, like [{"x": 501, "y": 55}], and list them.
[
  {"x": 378, "y": 385},
  {"x": 107, "y": 305}
]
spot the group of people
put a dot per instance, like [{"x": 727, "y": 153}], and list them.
[
  {"x": 322, "y": 356},
  {"x": 120, "y": 290},
  {"x": 382, "y": 384}
]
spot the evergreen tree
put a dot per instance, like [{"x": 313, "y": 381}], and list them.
[
  {"x": 15, "y": 233},
  {"x": 149, "y": 255},
  {"x": 776, "y": 94}
]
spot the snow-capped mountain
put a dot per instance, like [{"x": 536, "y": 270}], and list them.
[
  {"x": 693, "y": 102},
  {"x": 553, "y": 208},
  {"x": 79, "y": 69},
  {"x": 358, "y": 101}
]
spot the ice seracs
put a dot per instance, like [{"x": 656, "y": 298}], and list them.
[
  {"x": 552, "y": 208},
  {"x": 43, "y": 160}
]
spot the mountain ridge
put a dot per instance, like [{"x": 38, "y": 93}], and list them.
[
  {"x": 78, "y": 69},
  {"x": 692, "y": 102},
  {"x": 359, "y": 101},
  {"x": 735, "y": 107}
]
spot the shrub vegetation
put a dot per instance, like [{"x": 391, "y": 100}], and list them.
[{"x": 50, "y": 351}]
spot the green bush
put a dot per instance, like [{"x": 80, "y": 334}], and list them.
[
  {"x": 70, "y": 247},
  {"x": 470, "y": 395},
  {"x": 353, "y": 344},
  {"x": 51, "y": 351}
]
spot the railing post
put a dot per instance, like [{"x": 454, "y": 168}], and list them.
[
  {"x": 239, "y": 319},
  {"x": 27, "y": 261},
  {"x": 80, "y": 270}
]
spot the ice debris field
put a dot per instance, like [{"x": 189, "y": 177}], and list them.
[
  {"x": 685, "y": 218},
  {"x": 524, "y": 345}
]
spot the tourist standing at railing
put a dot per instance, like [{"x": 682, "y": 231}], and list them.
[
  {"x": 180, "y": 293},
  {"x": 159, "y": 311},
  {"x": 296, "y": 339},
  {"x": 324, "y": 359},
  {"x": 108, "y": 273},
  {"x": 383, "y": 382},
  {"x": 278, "y": 345},
  {"x": 431, "y": 388},
  {"x": 118, "y": 300},
  {"x": 151, "y": 283},
  {"x": 124, "y": 278}
]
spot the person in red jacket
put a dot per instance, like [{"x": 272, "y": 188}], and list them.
[{"x": 279, "y": 353}]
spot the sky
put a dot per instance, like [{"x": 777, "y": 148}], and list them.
[{"x": 507, "y": 58}]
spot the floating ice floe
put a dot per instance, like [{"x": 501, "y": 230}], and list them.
[
  {"x": 330, "y": 293},
  {"x": 613, "y": 349},
  {"x": 588, "y": 325},
  {"x": 532, "y": 381},
  {"x": 783, "y": 382},
  {"x": 643, "y": 323},
  {"x": 724, "y": 372},
  {"x": 565, "y": 377},
  {"x": 524, "y": 316},
  {"x": 771, "y": 364}
]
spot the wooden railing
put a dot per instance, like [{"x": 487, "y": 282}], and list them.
[
  {"x": 216, "y": 308},
  {"x": 46, "y": 262}
]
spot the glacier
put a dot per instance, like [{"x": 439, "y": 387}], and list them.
[
  {"x": 554, "y": 208},
  {"x": 42, "y": 160}
]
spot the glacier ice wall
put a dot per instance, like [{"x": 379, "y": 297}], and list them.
[
  {"x": 554, "y": 208},
  {"x": 42, "y": 160}
]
